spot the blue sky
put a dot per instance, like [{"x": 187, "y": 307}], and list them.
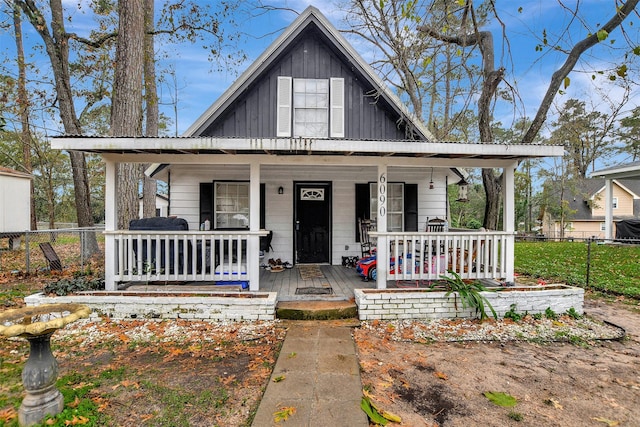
[{"x": 198, "y": 86}]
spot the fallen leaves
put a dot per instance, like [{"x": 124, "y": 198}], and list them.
[
  {"x": 553, "y": 402},
  {"x": 500, "y": 398},
  {"x": 8, "y": 414},
  {"x": 283, "y": 413},
  {"x": 441, "y": 375},
  {"x": 609, "y": 423}
]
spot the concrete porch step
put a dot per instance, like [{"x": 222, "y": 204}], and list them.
[{"x": 316, "y": 310}]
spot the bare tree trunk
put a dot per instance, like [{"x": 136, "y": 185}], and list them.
[
  {"x": 150, "y": 187},
  {"x": 23, "y": 105},
  {"x": 126, "y": 110},
  {"x": 57, "y": 46}
]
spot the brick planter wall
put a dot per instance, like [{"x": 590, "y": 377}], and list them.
[
  {"x": 121, "y": 305},
  {"x": 390, "y": 304}
]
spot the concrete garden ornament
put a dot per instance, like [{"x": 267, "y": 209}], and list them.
[{"x": 37, "y": 324}]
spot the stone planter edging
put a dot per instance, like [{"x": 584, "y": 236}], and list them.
[
  {"x": 222, "y": 306},
  {"x": 391, "y": 304}
]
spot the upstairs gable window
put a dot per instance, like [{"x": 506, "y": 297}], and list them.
[{"x": 310, "y": 108}]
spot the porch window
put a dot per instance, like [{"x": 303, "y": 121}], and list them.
[
  {"x": 231, "y": 205},
  {"x": 222, "y": 200},
  {"x": 395, "y": 205},
  {"x": 310, "y": 108}
]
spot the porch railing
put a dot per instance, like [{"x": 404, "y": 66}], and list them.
[
  {"x": 429, "y": 255},
  {"x": 146, "y": 256}
]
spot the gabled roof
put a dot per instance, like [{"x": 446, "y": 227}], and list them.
[
  {"x": 630, "y": 186},
  {"x": 310, "y": 16}
]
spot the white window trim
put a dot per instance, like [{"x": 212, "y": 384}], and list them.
[
  {"x": 336, "y": 111},
  {"x": 215, "y": 204}
]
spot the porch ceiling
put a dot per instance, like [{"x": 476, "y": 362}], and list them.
[{"x": 303, "y": 146}]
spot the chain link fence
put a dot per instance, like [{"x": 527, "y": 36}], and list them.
[{"x": 33, "y": 251}]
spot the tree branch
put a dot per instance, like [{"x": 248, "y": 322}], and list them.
[{"x": 558, "y": 77}]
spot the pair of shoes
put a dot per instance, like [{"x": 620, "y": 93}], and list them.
[{"x": 288, "y": 265}]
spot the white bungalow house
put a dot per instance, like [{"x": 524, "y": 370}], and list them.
[{"x": 307, "y": 141}]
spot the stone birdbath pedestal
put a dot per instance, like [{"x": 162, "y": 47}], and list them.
[{"x": 40, "y": 372}]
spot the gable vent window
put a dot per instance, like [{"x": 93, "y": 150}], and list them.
[{"x": 310, "y": 108}]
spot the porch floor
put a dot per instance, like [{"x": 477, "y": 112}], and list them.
[{"x": 338, "y": 280}]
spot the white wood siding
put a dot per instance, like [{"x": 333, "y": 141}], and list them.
[
  {"x": 15, "y": 207},
  {"x": 185, "y": 193}
]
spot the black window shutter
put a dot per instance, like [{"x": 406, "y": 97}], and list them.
[
  {"x": 263, "y": 208},
  {"x": 206, "y": 202},
  {"x": 411, "y": 207},
  {"x": 362, "y": 205}
]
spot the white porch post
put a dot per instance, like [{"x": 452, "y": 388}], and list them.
[
  {"x": 253, "y": 242},
  {"x": 608, "y": 210},
  {"x": 509, "y": 215},
  {"x": 382, "y": 246},
  {"x": 110, "y": 224}
]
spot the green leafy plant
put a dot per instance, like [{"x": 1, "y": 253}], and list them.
[
  {"x": 513, "y": 315},
  {"x": 573, "y": 313},
  {"x": 550, "y": 314},
  {"x": 77, "y": 284},
  {"x": 469, "y": 293}
]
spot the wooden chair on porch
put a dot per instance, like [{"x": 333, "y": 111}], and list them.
[
  {"x": 435, "y": 225},
  {"x": 366, "y": 244}
]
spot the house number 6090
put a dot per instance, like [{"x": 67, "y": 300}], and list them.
[{"x": 382, "y": 190}]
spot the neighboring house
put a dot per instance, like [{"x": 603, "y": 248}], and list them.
[
  {"x": 15, "y": 205},
  {"x": 307, "y": 141},
  {"x": 586, "y": 208},
  {"x": 623, "y": 172},
  {"x": 162, "y": 205}
]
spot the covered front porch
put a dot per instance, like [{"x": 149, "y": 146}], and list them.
[{"x": 275, "y": 172}]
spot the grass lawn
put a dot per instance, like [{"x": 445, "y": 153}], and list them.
[{"x": 613, "y": 269}]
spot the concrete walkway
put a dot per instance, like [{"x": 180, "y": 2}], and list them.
[{"x": 320, "y": 379}]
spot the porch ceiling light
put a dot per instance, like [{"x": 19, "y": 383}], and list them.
[{"x": 463, "y": 187}]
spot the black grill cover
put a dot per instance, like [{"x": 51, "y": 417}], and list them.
[
  {"x": 159, "y": 223},
  {"x": 167, "y": 224},
  {"x": 628, "y": 229}
]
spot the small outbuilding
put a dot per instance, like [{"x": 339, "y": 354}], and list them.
[{"x": 15, "y": 205}]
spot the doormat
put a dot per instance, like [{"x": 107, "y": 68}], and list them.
[
  {"x": 308, "y": 272},
  {"x": 314, "y": 291}
]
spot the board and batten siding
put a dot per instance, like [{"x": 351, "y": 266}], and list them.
[
  {"x": 254, "y": 113},
  {"x": 185, "y": 184}
]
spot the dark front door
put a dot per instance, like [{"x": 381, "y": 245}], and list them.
[{"x": 312, "y": 222}]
